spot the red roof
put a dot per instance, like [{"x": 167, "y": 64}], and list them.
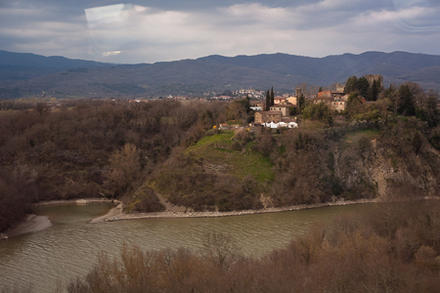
[{"x": 325, "y": 94}]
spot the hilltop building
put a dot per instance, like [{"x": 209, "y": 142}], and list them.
[
  {"x": 335, "y": 100},
  {"x": 276, "y": 114},
  {"x": 279, "y": 112},
  {"x": 268, "y": 116}
]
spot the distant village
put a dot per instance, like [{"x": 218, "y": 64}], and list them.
[
  {"x": 280, "y": 113},
  {"x": 283, "y": 109}
]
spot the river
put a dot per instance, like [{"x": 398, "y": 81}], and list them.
[{"x": 68, "y": 249}]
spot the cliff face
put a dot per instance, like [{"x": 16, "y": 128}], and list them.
[
  {"x": 396, "y": 160},
  {"x": 390, "y": 169}
]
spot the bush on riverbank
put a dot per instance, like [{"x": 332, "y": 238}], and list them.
[
  {"x": 393, "y": 248},
  {"x": 17, "y": 189},
  {"x": 144, "y": 199}
]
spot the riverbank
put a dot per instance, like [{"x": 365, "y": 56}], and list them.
[{"x": 117, "y": 213}]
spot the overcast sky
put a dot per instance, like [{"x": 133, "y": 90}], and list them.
[{"x": 162, "y": 30}]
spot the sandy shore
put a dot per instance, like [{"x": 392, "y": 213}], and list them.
[
  {"x": 81, "y": 201},
  {"x": 117, "y": 213},
  {"x": 32, "y": 223}
]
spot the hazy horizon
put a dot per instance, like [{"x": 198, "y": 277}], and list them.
[{"x": 227, "y": 56}]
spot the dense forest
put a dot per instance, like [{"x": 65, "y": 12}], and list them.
[
  {"x": 387, "y": 248},
  {"x": 160, "y": 151}
]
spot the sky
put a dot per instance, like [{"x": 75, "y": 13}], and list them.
[{"x": 162, "y": 30}]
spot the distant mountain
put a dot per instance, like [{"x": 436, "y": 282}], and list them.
[
  {"x": 21, "y": 66},
  {"x": 62, "y": 77}
]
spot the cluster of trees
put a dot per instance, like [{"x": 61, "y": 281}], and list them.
[
  {"x": 361, "y": 86},
  {"x": 318, "y": 111},
  {"x": 387, "y": 248},
  {"x": 408, "y": 99}
]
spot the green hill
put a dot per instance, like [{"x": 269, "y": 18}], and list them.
[
  {"x": 225, "y": 154},
  {"x": 222, "y": 170}
]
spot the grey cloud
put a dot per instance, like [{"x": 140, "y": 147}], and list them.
[{"x": 168, "y": 29}]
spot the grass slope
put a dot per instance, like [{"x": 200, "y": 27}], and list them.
[{"x": 218, "y": 150}]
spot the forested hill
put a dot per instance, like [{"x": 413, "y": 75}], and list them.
[{"x": 34, "y": 75}]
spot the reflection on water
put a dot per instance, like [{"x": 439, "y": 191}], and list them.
[{"x": 69, "y": 248}]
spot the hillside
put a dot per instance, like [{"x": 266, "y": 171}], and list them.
[
  {"x": 223, "y": 171},
  {"x": 60, "y": 77},
  {"x": 160, "y": 153}
]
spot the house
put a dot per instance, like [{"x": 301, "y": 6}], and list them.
[
  {"x": 292, "y": 100},
  {"x": 324, "y": 97},
  {"x": 335, "y": 100},
  {"x": 284, "y": 109},
  {"x": 338, "y": 106},
  {"x": 279, "y": 100}
]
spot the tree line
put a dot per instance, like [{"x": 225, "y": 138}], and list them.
[{"x": 385, "y": 248}]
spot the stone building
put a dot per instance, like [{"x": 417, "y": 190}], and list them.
[{"x": 268, "y": 116}]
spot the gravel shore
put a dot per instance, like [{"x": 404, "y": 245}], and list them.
[{"x": 117, "y": 213}]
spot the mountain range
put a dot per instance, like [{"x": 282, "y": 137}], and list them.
[{"x": 24, "y": 74}]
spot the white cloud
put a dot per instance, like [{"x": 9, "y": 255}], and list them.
[{"x": 111, "y": 53}]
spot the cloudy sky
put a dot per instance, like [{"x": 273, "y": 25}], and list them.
[{"x": 161, "y": 30}]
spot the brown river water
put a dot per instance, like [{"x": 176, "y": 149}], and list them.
[{"x": 50, "y": 258}]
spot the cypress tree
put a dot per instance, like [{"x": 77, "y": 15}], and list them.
[
  {"x": 375, "y": 89},
  {"x": 267, "y": 102},
  {"x": 362, "y": 85},
  {"x": 301, "y": 103},
  {"x": 272, "y": 97},
  {"x": 406, "y": 101}
]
